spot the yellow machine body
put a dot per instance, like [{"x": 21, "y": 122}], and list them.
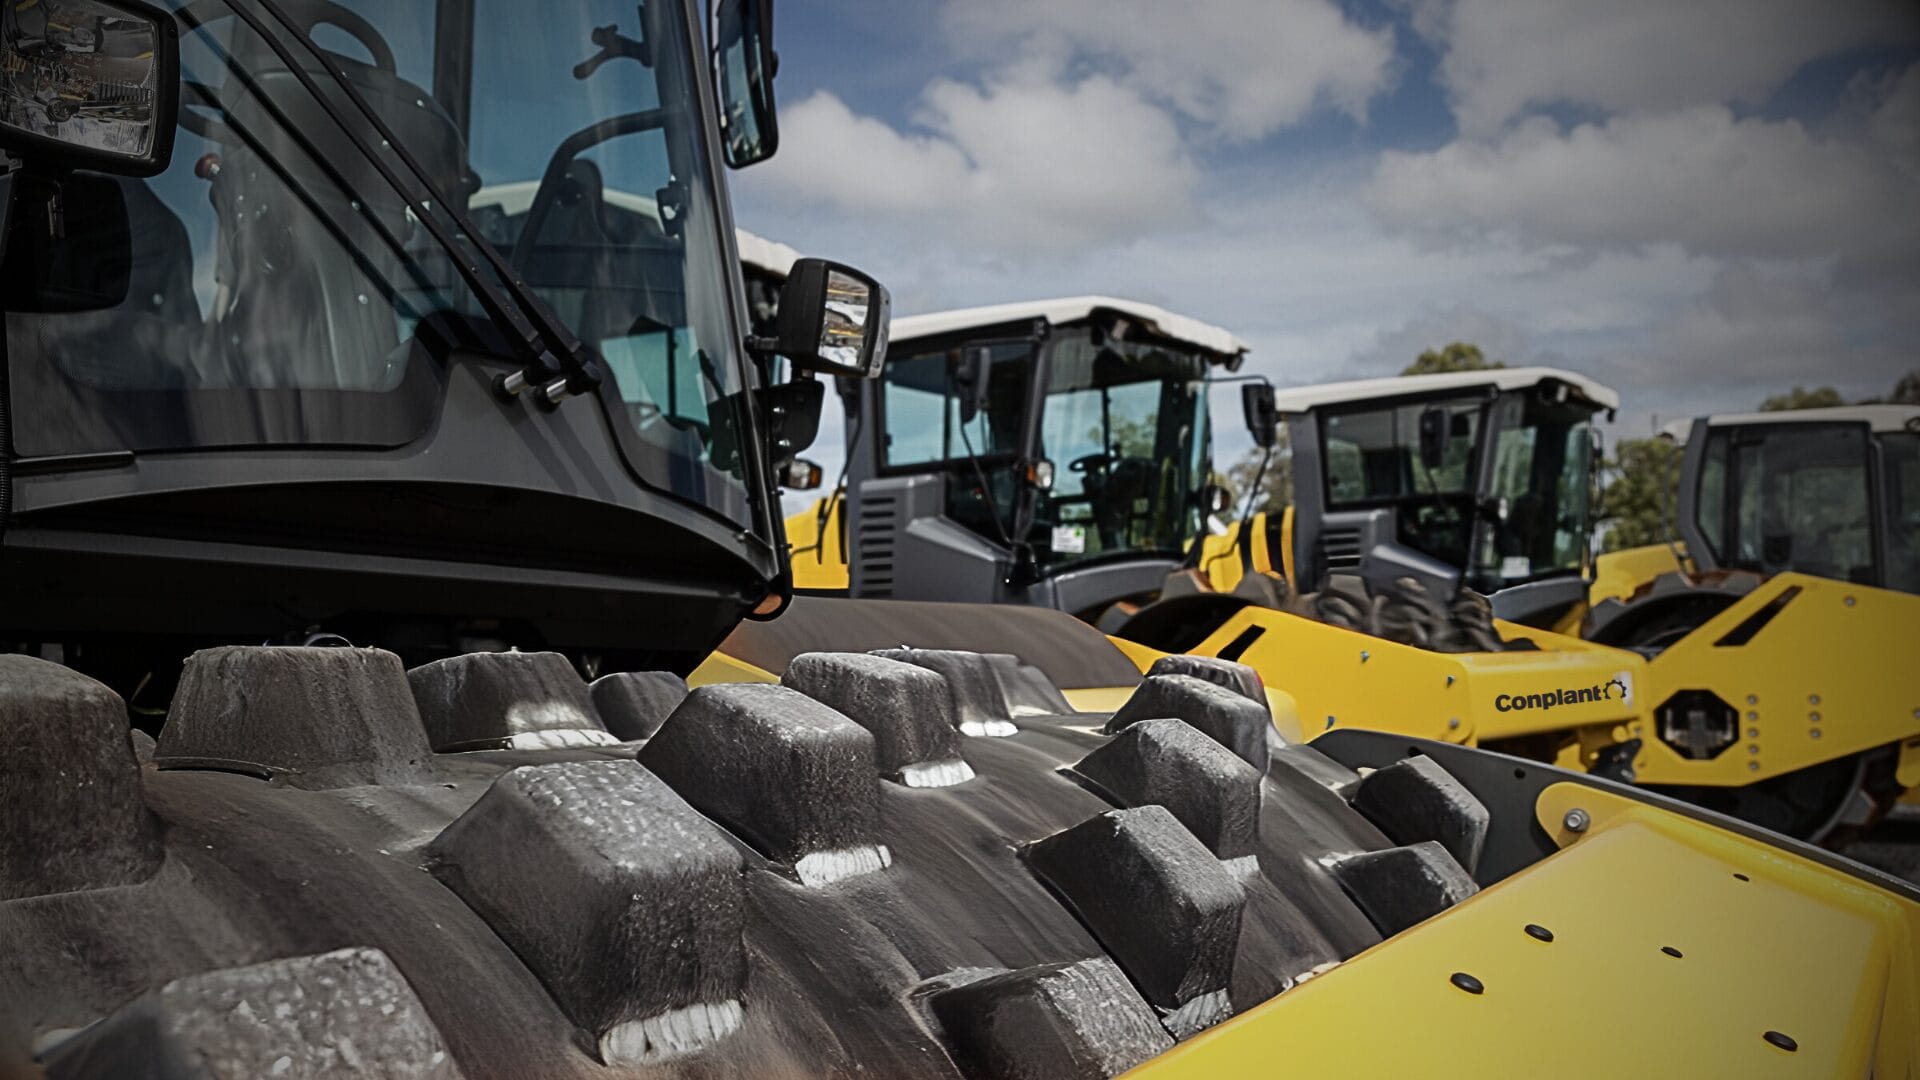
[
  {"x": 1343, "y": 678},
  {"x": 1220, "y": 556},
  {"x": 1823, "y": 669},
  {"x": 1618, "y": 574},
  {"x": 1816, "y": 669},
  {"x": 1761, "y": 940},
  {"x": 819, "y": 556}
]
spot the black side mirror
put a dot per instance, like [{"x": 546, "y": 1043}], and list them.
[
  {"x": 744, "y": 65},
  {"x": 91, "y": 84},
  {"x": 1433, "y": 437},
  {"x": 832, "y": 319},
  {"x": 972, "y": 368},
  {"x": 1263, "y": 417}
]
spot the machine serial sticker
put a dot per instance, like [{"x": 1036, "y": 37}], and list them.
[{"x": 1070, "y": 539}]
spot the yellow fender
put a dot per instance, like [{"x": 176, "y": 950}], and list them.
[{"x": 1781, "y": 966}]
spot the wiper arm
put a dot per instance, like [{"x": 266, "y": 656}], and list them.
[{"x": 556, "y": 360}]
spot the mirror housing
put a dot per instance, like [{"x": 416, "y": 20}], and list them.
[
  {"x": 744, "y": 65},
  {"x": 1433, "y": 436},
  {"x": 90, "y": 84},
  {"x": 1263, "y": 416},
  {"x": 802, "y": 475},
  {"x": 793, "y": 417},
  {"x": 833, "y": 319},
  {"x": 87, "y": 265}
]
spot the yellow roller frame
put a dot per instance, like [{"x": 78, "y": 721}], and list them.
[
  {"x": 1827, "y": 669},
  {"x": 1766, "y": 941},
  {"x": 1342, "y": 678}
]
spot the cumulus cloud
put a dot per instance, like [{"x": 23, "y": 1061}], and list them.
[
  {"x": 1502, "y": 57},
  {"x": 1693, "y": 252},
  {"x": 1760, "y": 329},
  {"x": 1242, "y": 68},
  {"x": 1700, "y": 177},
  {"x": 1499, "y": 338},
  {"x": 1020, "y": 162}
]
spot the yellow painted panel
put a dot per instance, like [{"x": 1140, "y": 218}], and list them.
[
  {"x": 1141, "y": 656},
  {"x": 821, "y": 566},
  {"x": 1341, "y": 678},
  {"x": 718, "y": 667},
  {"x": 1220, "y": 558},
  {"x": 1618, "y": 573},
  {"x": 1286, "y": 550},
  {"x": 1838, "y": 659},
  {"x": 1796, "y": 948},
  {"x": 1098, "y": 698}
]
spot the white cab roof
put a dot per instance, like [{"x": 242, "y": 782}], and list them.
[
  {"x": 764, "y": 254},
  {"x": 1299, "y": 399},
  {"x": 755, "y": 251},
  {"x": 1067, "y": 310},
  {"x": 1879, "y": 418}
]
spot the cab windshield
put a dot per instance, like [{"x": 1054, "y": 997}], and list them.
[
  {"x": 1901, "y": 453},
  {"x": 272, "y": 288},
  {"x": 1536, "y": 512},
  {"x": 1125, "y": 425},
  {"x": 1790, "y": 497},
  {"x": 1375, "y": 461}
]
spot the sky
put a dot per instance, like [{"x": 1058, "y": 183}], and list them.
[{"x": 1699, "y": 203}]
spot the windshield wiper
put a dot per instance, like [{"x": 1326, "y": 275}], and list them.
[{"x": 557, "y": 362}]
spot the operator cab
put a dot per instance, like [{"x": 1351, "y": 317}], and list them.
[
  {"x": 1830, "y": 492},
  {"x": 1482, "y": 478},
  {"x": 416, "y": 324},
  {"x": 1052, "y": 452}
]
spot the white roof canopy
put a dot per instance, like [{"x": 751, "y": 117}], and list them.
[
  {"x": 755, "y": 251},
  {"x": 1878, "y": 418},
  {"x": 1067, "y": 310},
  {"x": 764, "y": 254},
  {"x": 1299, "y": 399}
]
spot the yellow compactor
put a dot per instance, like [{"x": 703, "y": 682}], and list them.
[{"x": 1769, "y": 676}]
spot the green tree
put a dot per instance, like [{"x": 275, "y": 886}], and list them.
[
  {"x": 1276, "y": 485},
  {"x": 1907, "y": 390},
  {"x": 1637, "y": 503},
  {"x": 1459, "y": 356},
  {"x": 1820, "y": 397}
]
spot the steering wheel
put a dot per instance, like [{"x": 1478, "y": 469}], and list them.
[
  {"x": 1089, "y": 462},
  {"x": 307, "y": 15}
]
